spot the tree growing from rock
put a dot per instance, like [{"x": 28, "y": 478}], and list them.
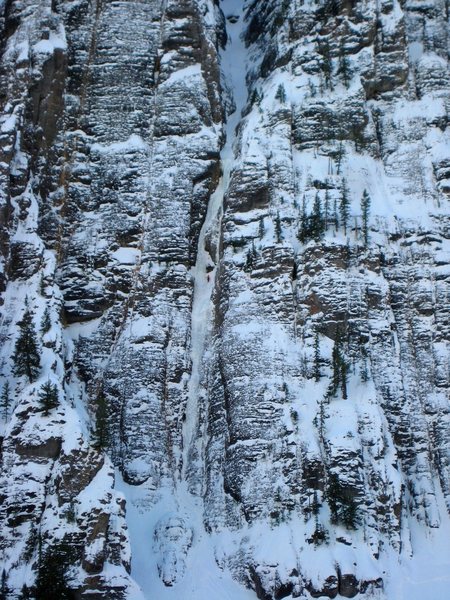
[{"x": 26, "y": 352}]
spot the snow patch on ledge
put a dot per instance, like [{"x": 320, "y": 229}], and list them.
[{"x": 133, "y": 144}]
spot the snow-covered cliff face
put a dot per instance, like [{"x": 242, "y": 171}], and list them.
[{"x": 252, "y": 376}]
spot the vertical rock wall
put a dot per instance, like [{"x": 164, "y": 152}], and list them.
[{"x": 113, "y": 119}]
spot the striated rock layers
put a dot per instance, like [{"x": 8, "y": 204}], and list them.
[{"x": 263, "y": 389}]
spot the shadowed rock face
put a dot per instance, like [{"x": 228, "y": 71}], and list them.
[
  {"x": 318, "y": 420},
  {"x": 109, "y": 148}
]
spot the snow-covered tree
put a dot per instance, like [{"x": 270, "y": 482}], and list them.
[{"x": 281, "y": 94}]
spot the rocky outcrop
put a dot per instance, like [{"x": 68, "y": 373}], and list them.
[{"x": 268, "y": 384}]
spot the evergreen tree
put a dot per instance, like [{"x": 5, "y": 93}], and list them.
[
  {"x": 4, "y": 589},
  {"x": 349, "y": 515},
  {"x": 365, "y": 208},
  {"x": 46, "y": 321},
  {"x": 319, "y": 536},
  {"x": 294, "y": 272},
  {"x": 249, "y": 262},
  {"x": 42, "y": 285},
  {"x": 281, "y": 94},
  {"x": 317, "y": 373},
  {"x": 317, "y": 223},
  {"x": 339, "y": 157},
  {"x": 335, "y": 216},
  {"x": 52, "y": 582},
  {"x": 71, "y": 514},
  {"x": 348, "y": 254},
  {"x": 101, "y": 422},
  {"x": 327, "y": 64},
  {"x": 344, "y": 66},
  {"x": 344, "y": 378},
  {"x": 49, "y": 397},
  {"x": 303, "y": 231},
  {"x": 327, "y": 209},
  {"x": 340, "y": 368},
  {"x": 26, "y": 355},
  {"x": 251, "y": 259},
  {"x": 278, "y": 230},
  {"x": 5, "y": 401},
  {"x": 344, "y": 206},
  {"x": 364, "y": 370},
  {"x": 335, "y": 359},
  {"x": 256, "y": 97},
  {"x": 342, "y": 504},
  {"x": 254, "y": 253},
  {"x": 25, "y": 593},
  {"x": 312, "y": 89},
  {"x": 315, "y": 505},
  {"x": 262, "y": 229},
  {"x": 333, "y": 494}
]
